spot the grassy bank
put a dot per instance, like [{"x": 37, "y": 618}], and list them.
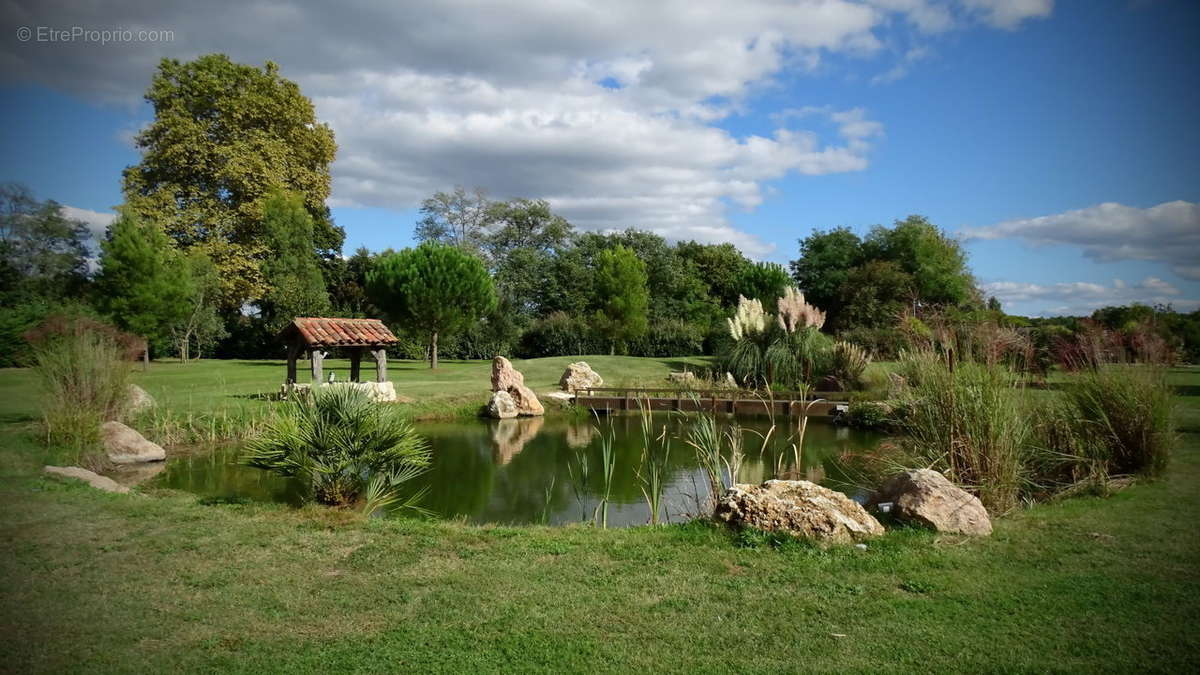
[
  {"x": 215, "y": 386},
  {"x": 90, "y": 581}
]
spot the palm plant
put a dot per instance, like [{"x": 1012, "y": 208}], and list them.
[{"x": 344, "y": 446}]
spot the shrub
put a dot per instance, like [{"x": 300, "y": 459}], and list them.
[
  {"x": 84, "y": 372},
  {"x": 669, "y": 337},
  {"x": 559, "y": 334},
  {"x": 345, "y": 447},
  {"x": 869, "y": 415}
]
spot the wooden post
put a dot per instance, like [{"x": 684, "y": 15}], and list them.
[
  {"x": 355, "y": 363},
  {"x": 316, "y": 356},
  {"x": 380, "y": 364},
  {"x": 146, "y": 358},
  {"x": 293, "y": 353}
]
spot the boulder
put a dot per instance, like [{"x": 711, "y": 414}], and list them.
[
  {"x": 93, "y": 479},
  {"x": 928, "y": 498},
  {"x": 138, "y": 399},
  {"x": 527, "y": 401},
  {"x": 502, "y": 405},
  {"x": 686, "y": 377},
  {"x": 798, "y": 508},
  {"x": 504, "y": 376},
  {"x": 579, "y": 375},
  {"x": 127, "y": 446}
]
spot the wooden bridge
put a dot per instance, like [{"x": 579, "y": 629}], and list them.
[{"x": 733, "y": 401}]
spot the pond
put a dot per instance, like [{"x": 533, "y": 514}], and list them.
[{"x": 527, "y": 470}]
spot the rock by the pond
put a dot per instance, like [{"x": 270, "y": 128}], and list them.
[
  {"x": 579, "y": 375},
  {"x": 126, "y": 446},
  {"x": 138, "y": 399},
  {"x": 927, "y": 497},
  {"x": 379, "y": 392},
  {"x": 129, "y": 475},
  {"x": 504, "y": 376},
  {"x": 686, "y": 377},
  {"x": 527, "y": 401},
  {"x": 501, "y": 405},
  {"x": 93, "y": 479},
  {"x": 561, "y": 396},
  {"x": 798, "y": 508},
  {"x": 508, "y": 379}
]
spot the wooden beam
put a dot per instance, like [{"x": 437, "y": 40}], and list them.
[{"x": 355, "y": 363}]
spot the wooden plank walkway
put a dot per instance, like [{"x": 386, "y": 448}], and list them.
[{"x": 732, "y": 401}]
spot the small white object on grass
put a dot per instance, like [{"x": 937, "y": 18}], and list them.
[{"x": 861, "y": 547}]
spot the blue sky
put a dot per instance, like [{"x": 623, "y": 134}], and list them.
[{"x": 1010, "y": 124}]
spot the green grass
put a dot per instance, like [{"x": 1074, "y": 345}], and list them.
[
  {"x": 98, "y": 582},
  {"x": 455, "y": 387}
]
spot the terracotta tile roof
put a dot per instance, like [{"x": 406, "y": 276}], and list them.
[{"x": 318, "y": 332}]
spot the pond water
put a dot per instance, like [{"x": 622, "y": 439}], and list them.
[{"x": 527, "y": 470}]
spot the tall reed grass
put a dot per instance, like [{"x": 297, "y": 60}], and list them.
[{"x": 85, "y": 381}]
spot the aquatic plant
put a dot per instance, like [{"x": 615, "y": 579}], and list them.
[
  {"x": 608, "y": 462},
  {"x": 344, "y": 446},
  {"x": 653, "y": 470}
]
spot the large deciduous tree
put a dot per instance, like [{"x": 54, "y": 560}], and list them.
[
  {"x": 42, "y": 252},
  {"x": 622, "y": 297},
  {"x": 459, "y": 218},
  {"x": 224, "y": 136},
  {"x": 825, "y": 261},
  {"x": 145, "y": 284},
  {"x": 435, "y": 288},
  {"x": 295, "y": 285}
]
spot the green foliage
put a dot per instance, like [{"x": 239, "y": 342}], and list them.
[
  {"x": 764, "y": 282},
  {"x": 826, "y": 259},
  {"x": 558, "y": 334},
  {"x": 434, "y": 288},
  {"x": 224, "y": 136},
  {"x": 876, "y": 294},
  {"x": 295, "y": 286},
  {"x": 84, "y": 375},
  {"x": 201, "y": 326},
  {"x": 459, "y": 218},
  {"x": 936, "y": 262},
  {"x": 42, "y": 252},
  {"x": 344, "y": 446},
  {"x": 869, "y": 415},
  {"x": 622, "y": 296},
  {"x": 144, "y": 283}
]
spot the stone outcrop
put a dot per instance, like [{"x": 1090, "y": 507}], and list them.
[
  {"x": 798, "y": 508},
  {"x": 138, "y": 399},
  {"x": 505, "y": 378},
  {"x": 93, "y": 479},
  {"x": 579, "y": 375},
  {"x": 126, "y": 446},
  {"x": 928, "y": 498},
  {"x": 501, "y": 405}
]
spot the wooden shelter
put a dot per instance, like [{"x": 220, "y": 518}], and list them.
[{"x": 316, "y": 335}]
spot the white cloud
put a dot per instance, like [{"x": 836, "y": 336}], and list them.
[
  {"x": 1081, "y": 297},
  {"x": 903, "y": 67},
  {"x": 1169, "y": 233},
  {"x": 607, "y": 109},
  {"x": 97, "y": 222},
  {"x": 1009, "y": 14}
]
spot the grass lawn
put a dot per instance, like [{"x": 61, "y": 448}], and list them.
[{"x": 91, "y": 581}]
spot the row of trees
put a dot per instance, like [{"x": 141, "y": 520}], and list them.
[{"x": 224, "y": 236}]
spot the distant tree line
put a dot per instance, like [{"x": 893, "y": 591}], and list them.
[{"x": 224, "y": 237}]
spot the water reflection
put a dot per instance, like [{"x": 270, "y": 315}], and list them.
[{"x": 528, "y": 470}]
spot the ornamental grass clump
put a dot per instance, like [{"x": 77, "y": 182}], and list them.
[
  {"x": 85, "y": 382},
  {"x": 1125, "y": 414},
  {"x": 970, "y": 422},
  {"x": 346, "y": 448}
]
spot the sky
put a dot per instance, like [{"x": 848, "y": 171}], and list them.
[{"x": 1057, "y": 140}]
